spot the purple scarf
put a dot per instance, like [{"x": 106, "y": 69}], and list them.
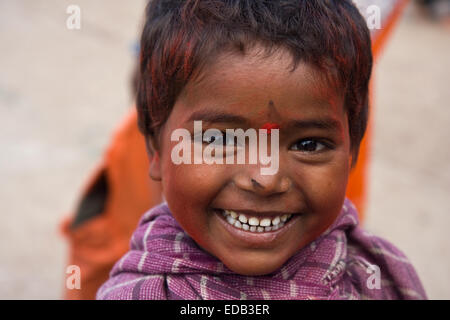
[{"x": 343, "y": 263}]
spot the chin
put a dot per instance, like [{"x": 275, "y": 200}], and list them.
[{"x": 255, "y": 266}]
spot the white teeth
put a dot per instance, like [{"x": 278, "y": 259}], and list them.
[
  {"x": 231, "y": 220},
  {"x": 276, "y": 221},
  {"x": 253, "y": 224},
  {"x": 265, "y": 222},
  {"x": 232, "y": 213},
  {"x": 242, "y": 218},
  {"x": 253, "y": 221}
]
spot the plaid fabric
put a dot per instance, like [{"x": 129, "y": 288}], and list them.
[{"x": 343, "y": 263}]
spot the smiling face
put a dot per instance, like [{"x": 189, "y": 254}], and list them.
[{"x": 307, "y": 191}]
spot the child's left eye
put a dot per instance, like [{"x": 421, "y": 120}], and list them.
[{"x": 309, "y": 145}]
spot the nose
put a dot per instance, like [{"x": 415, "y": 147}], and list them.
[{"x": 264, "y": 185}]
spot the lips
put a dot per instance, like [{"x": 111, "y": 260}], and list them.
[{"x": 256, "y": 236}]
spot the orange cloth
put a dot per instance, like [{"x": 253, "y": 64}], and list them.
[{"x": 97, "y": 243}]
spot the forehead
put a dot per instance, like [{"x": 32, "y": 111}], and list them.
[{"x": 253, "y": 84}]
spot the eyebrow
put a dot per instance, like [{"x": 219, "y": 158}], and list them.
[
  {"x": 222, "y": 117},
  {"x": 324, "y": 124},
  {"x": 212, "y": 117}
]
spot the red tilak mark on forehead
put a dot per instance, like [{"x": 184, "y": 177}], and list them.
[{"x": 269, "y": 126}]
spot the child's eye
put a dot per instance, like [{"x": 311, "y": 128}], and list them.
[
  {"x": 309, "y": 145},
  {"x": 219, "y": 139}
]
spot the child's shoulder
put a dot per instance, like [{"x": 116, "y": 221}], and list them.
[{"x": 387, "y": 271}]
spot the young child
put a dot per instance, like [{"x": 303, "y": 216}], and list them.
[{"x": 297, "y": 71}]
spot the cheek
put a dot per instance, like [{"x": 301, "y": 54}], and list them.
[
  {"x": 325, "y": 188},
  {"x": 189, "y": 190},
  {"x": 330, "y": 193},
  {"x": 188, "y": 183},
  {"x": 194, "y": 179}
]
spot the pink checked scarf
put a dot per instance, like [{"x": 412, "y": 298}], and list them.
[{"x": 165, "y": 263}]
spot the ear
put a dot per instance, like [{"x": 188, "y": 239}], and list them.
[
  {"x": 154, "y": 158},
  {"x": 353, "y": 158},
  {"x": 350, "y": 161}
]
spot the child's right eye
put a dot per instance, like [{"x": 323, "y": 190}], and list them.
[{"x": 218, "y": 139}]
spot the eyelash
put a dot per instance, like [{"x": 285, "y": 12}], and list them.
[
  {"x": 325, "y": 145},
  {"x": 223, "y": 137}
]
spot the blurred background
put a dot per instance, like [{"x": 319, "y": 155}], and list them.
[{"x": 63, "y": 92}]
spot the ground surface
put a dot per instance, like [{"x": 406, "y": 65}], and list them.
[{"x": 63, "y": 92}]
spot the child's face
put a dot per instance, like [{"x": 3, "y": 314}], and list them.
[{"x": 314, "y": 160}]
